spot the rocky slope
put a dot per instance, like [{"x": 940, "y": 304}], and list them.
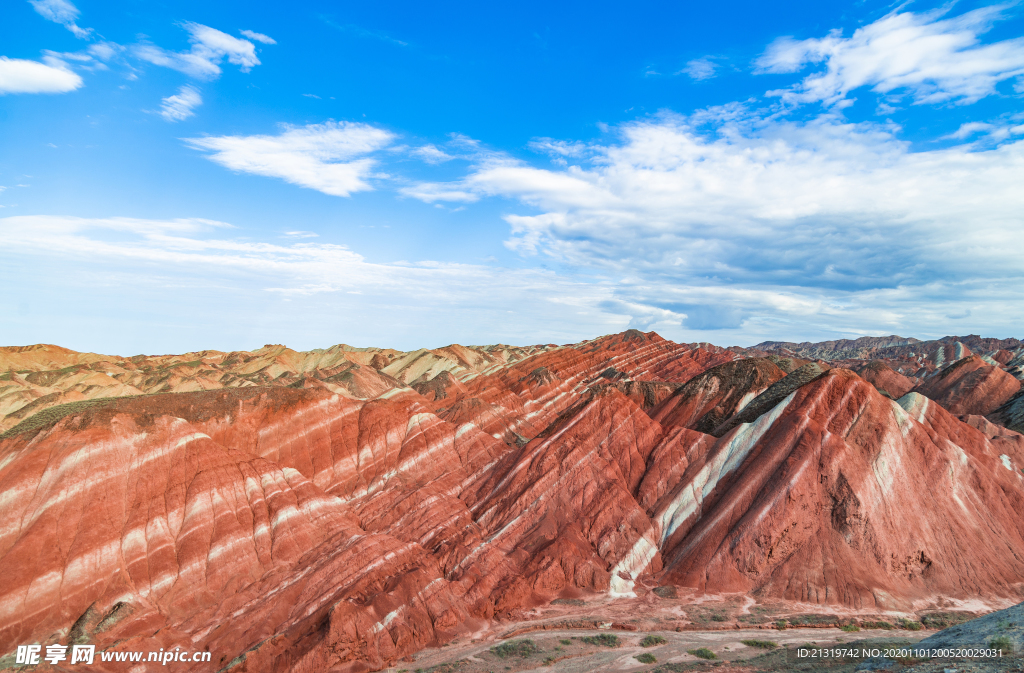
[
  {"x": 907, "y": 356},
  {"x": 341, "y": 509},
  {"x": 970, "y": 386}
]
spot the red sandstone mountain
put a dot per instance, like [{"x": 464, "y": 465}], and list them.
[
  {"x": 347, "y": 507},
  {"x": 707, "y": 400},
  {"x": 908, "y": 357},
  {"x": 885, "y": 378},
  {"x": 970, "y": 386}
]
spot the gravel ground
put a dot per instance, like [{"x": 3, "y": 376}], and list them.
[{"x": 567, "y": 652}]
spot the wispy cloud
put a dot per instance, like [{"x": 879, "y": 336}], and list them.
[
  {"x": 560, "y": 148},
  {"x": 24, "y": 76},
  {"x": 995, "y": 132},
  {"x": 700, "y": 68},
  {"x": 330, "y": 157},
  {"x": 62, "y": 12},
  {"x": 930, "y": 58},
  {"x": 432, "y": 192},
  {"x": 181, "y": 105},
  {"x": 209, "y": 47},
  {"x": 431, "y": 154},
  {"x": 187, "y": 268},
  {"x": 259, "y": 37}
]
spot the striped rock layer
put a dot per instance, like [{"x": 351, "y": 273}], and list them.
[{"x": 301, "y": 528}]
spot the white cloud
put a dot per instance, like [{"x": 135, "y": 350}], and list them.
[
  {"x": 431, "y": 154},
  {"x": 931, "y": 58},
  {"x": 259, "y": 37},
  {"x": 737, "y": 217},
  {"x": 92, "y": 58},
  {"x": 62, "y": 12},
  {"x": 329, "y": 157},
  {"x": 181, "y": 105},
  {"x": 105, "y": 51},
  {"x": 969, "y": 129},
  {"x": 700, "y": 68},
  {"x": 992, "y": 132},
  {"x": 885, "y": 109},
  {"x": 307, "y": 294},
  {"x": 206, "y": 278},
  {"x": 559, "y": 148},
  {"x": 23, "y": 76},
  {"x": 209, "y": 47},
  {"x": 432, "y": 192}
]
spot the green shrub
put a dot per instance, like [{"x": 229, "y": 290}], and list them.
[
  {"x": 876, "y": 625},
  {"x": 645, "y": 658},
  {"x": 719, "y": 618},
  {"x": 515, "y": 648},
  {"x": 565, "y": 641},
  {"x": 850, "y": 628},
  {"x": 942, "y": 620},
  {"x": 651, "y": 641},
  {"x": 812, "y": 620},
  {"x": 1002, "y": 643},
  {"x": 781, "y": 625},
  {"x": 703, "y": 653},
  {"x": 605, "y": 639},
  {"x": 763, "y": 644}
]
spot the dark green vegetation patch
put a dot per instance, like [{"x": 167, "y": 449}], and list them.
[
  {"x": 603, "y": 639},
  {"x": 943, "y": 620},
  {"x": 763, "y": 644},
  {"x": 448, "y": 667},
  {"x": 515, "y": 648},
  {"x": 1003, "y": 644},
  {"x": 877, "y": 625},
  {"x": 52, "y": 415},
  {"x": 651, "y": 641},
  {"x": 812, "y": 620},
  {"x": 703, "y": 653},
  {"x": 645, "y": 658}
]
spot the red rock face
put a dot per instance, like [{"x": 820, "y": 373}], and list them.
[
  {"x": 708, "y": 399},
  {"x": 886, "y": 379},
  {"x": 820, "y": 501},
  {"x": 302, "y": 529},
  {"x": 970, "y": 386}
]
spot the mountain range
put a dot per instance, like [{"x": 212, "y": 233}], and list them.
[{"x": 342, "y": 509}]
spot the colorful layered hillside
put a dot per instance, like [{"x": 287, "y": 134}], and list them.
[
  {"x": 885, "y": 378},
  {"x": 33, "y": 378},
  {"x": 970, "y": 386},
  {"x": 342, "y": 509},
  {"x": 907, "y": 356}
]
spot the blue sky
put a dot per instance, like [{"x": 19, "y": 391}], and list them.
[{"x": 183, "y": 176}]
